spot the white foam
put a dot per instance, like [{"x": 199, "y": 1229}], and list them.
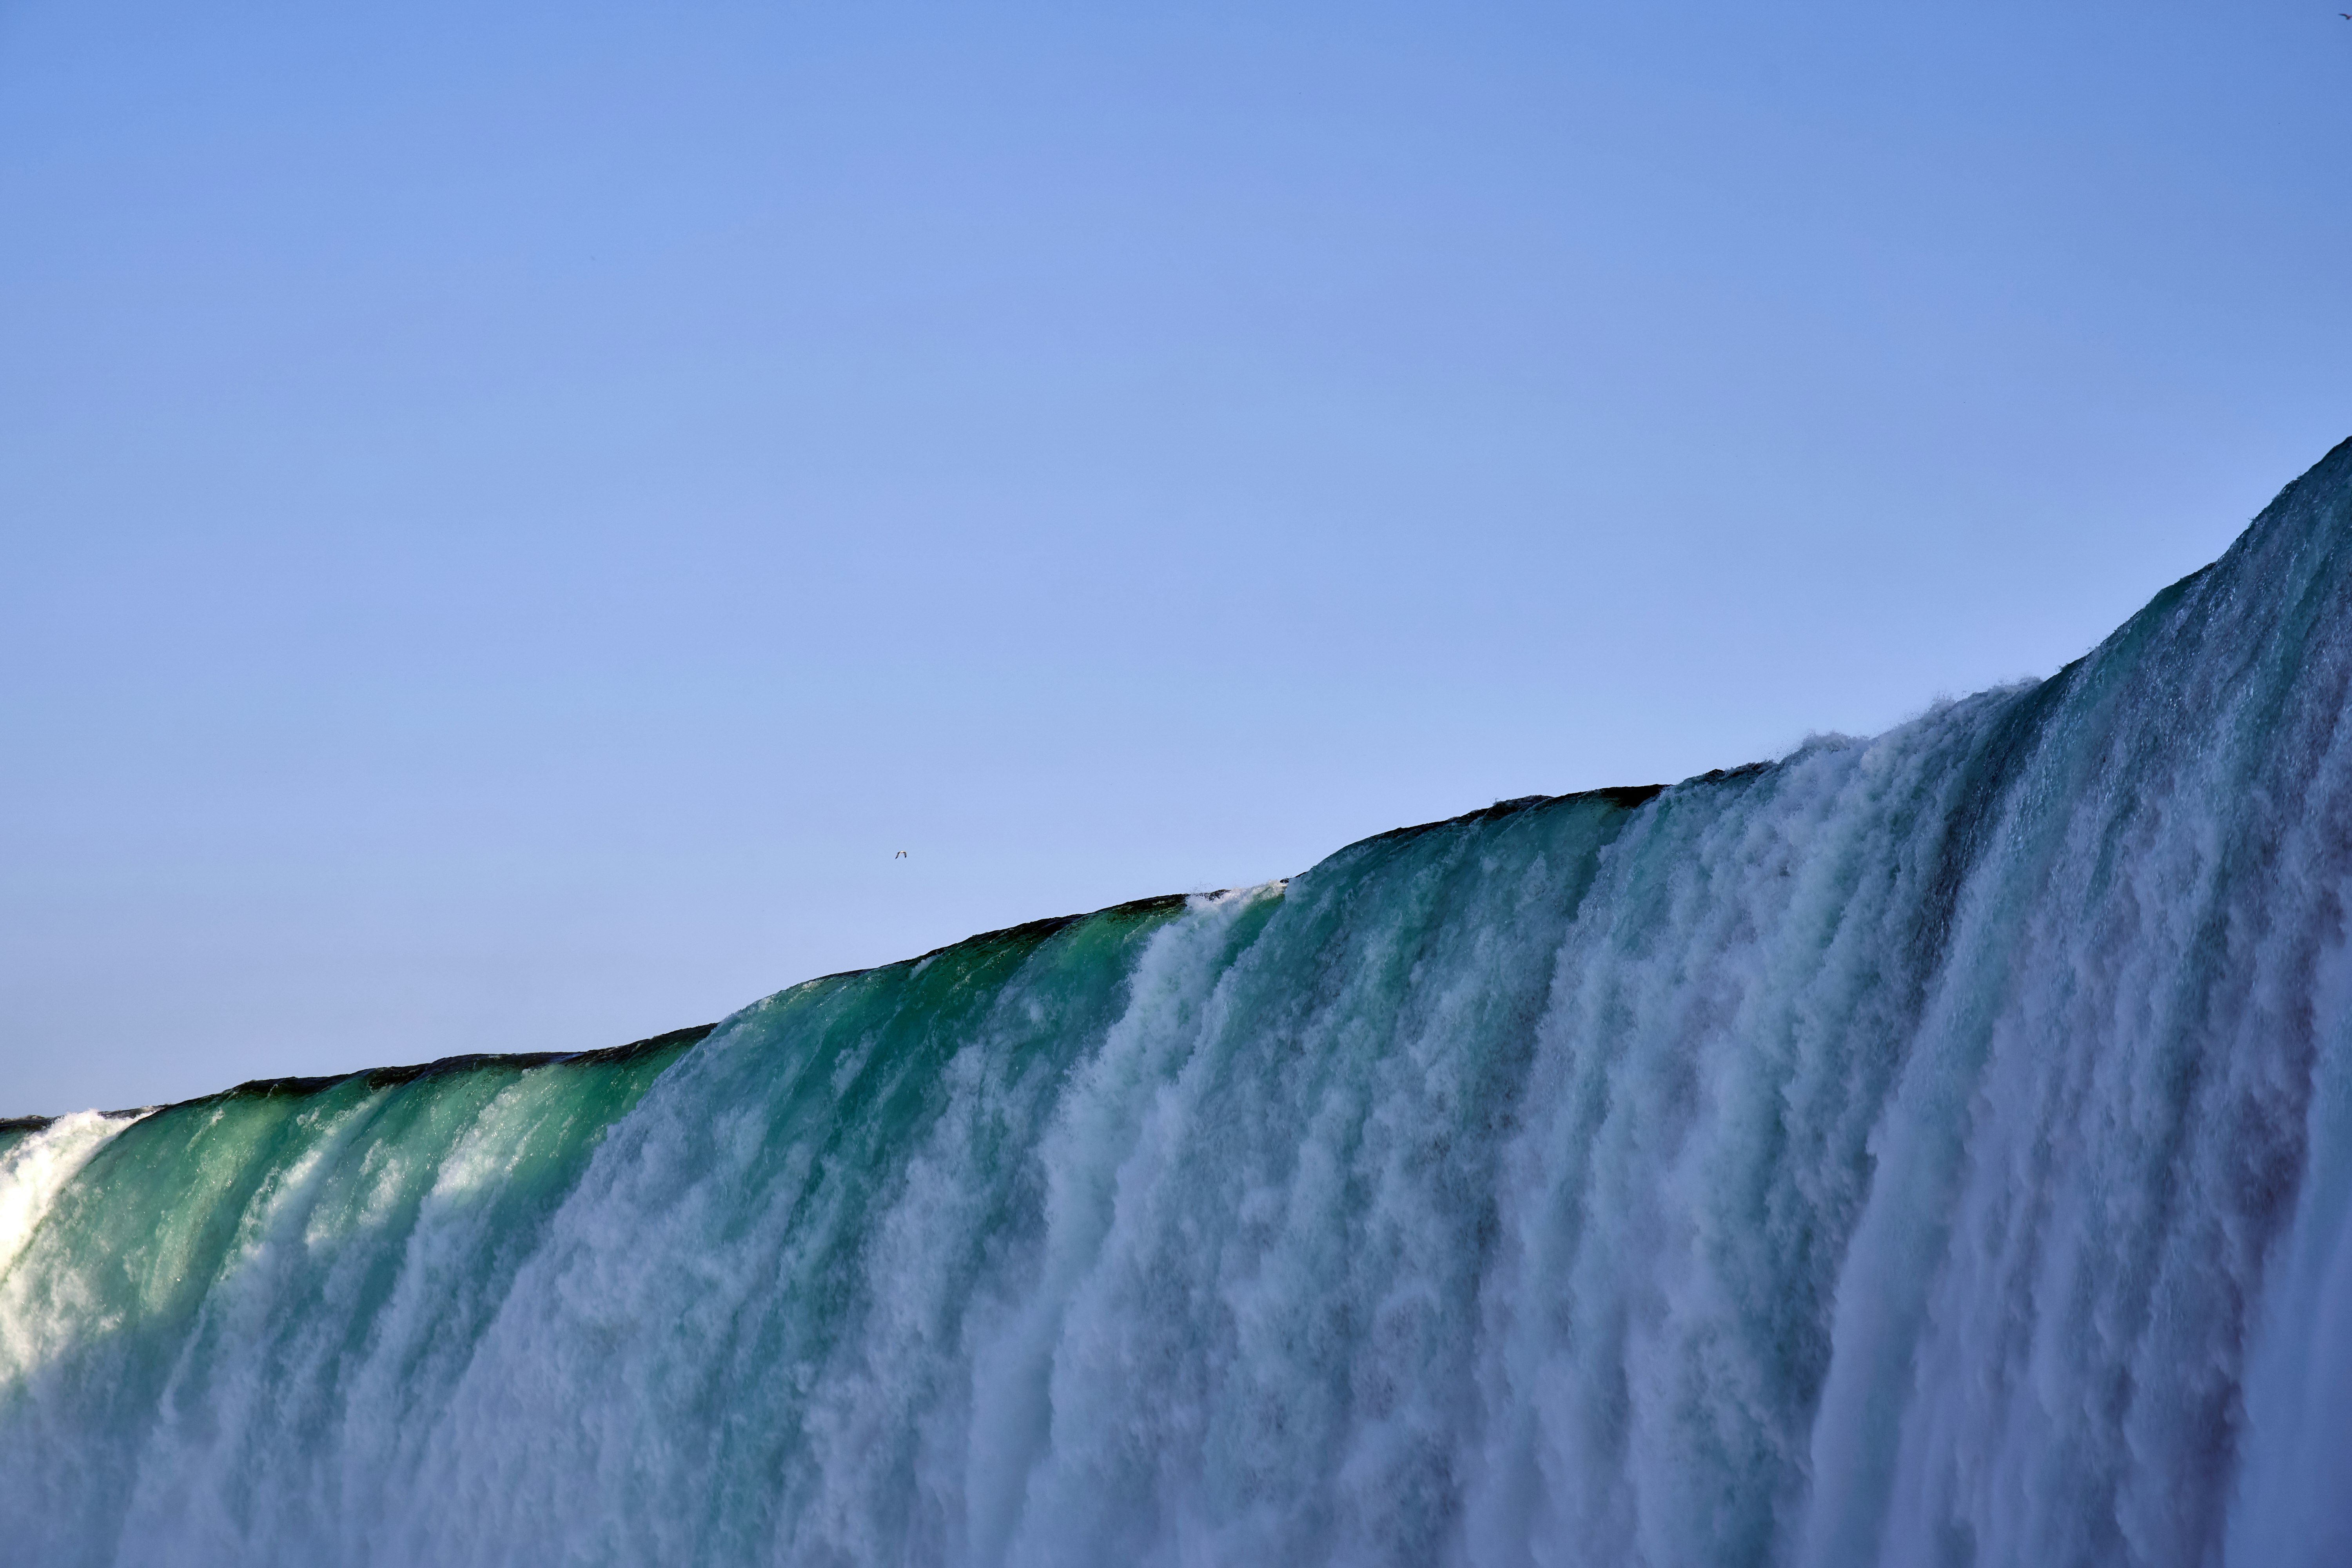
[{"x": 36, "y": 1170}]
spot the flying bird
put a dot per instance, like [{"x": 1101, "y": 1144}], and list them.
[{"x": 901, "y": 855}]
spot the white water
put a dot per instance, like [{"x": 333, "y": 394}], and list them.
[
  {"x": 33, "y": 1171},
  {"x": 1931, "y": 1150}
]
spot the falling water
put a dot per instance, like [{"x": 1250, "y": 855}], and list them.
[{"x": 1928, "y": 1149}]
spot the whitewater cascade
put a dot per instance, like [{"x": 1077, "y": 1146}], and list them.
[{"x": 1931, "y": 1150}]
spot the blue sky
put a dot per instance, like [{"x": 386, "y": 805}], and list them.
[{"x": 515, "y": 513}]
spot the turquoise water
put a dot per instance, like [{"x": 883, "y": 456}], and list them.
[{"x": 1930, "y": 1149}]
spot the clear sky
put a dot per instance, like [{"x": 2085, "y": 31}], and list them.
[{"x": 514, "y": 512}]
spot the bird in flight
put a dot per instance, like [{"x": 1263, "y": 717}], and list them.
[{"x": 901, "y": 855}]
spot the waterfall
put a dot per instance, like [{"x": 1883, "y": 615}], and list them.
[{"x": 1933, "y": 1149}]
